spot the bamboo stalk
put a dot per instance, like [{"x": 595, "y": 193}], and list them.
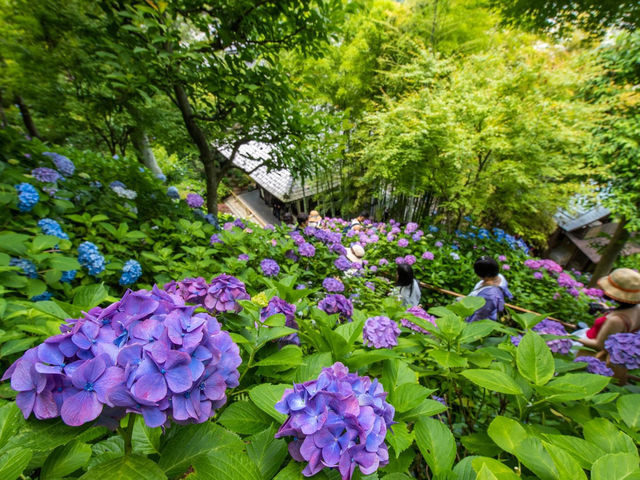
[{"x": 513, "y": 307}]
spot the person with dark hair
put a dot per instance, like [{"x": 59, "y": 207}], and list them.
[
  {"x": 407, "y": 287},
  {"x": 492, "y": 287},
  {"x": 622, "y": 286},
  {"x": 356, "y": 223},
  {"x": 287, "y": 219},
  {"x": 303, "y": 220}
]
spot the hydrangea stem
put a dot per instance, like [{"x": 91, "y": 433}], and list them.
[{"x": 128, "y": 434}]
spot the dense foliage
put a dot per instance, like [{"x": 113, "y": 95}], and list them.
[{"x": 250, "y": 393}]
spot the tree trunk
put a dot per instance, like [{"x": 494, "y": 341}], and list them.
[
  {"x": 207, "y": 154},
  {"x": 26, "y": 118},
  {"x": 611, "y": 252},
  {"x": 140, "y": 142}
]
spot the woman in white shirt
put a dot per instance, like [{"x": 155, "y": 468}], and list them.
[{"x": 407, "y": 287}]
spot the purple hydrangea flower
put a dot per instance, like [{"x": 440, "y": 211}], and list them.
[
  {"x": 370, "y": 285},
  {"x": 595, "y": 366},
  {"x": 403, "y": 242},
  {"x": 46, "y": 175},
  {"x": 593, "y": 292},
  {"x": 381, "y": 332},
  {"x": 566, "y": 280},
  {"x": 419, "y": 312},
  {"x": 270, "y": 267},
  {"x": 215, "y": 238},
  {"x": 502, "y": 258},
  {"x": 147, "y": 353},
  {"x": 191, "y": 290},
  {"x": 337, "y": 303},
  {"x": 338, "y": 421},
  {"x": 333, "y": 285},
  {"x": 399, "y": 260},
  {"x": 390, "y": 237},
  {"x": 550, "y": 327},
  {"x": 373, "y": 269},
  {"x": 342, "y": 263},
  {"x": 239, "y": 223},
  {"x": 538, "y": 275},
  {"x": 548, "y": 265},
  {"x": 506, "y": 267},
  {"x": 243, "y": 256},
  {"x": 62, "y": 163},
  {"x": 338, "y": 248},
  {"x": 455, "y": 256},
  {"x": 417, "y": 236},
  {"x": 428, "y": 256},
  {"x": 306, "y": 250},
  {"x": 438, "y": 244},
  {"x": 383, "y": 262},
  {"x": 440, "y": 400},
  {"x": 624, "y": 349},
  {"x": 278, "y": 306},
  {"x": 194, "y": 200},
  {"x": 410, "y": 228},
  {"x": 409, "y": 259},
  {"x": 223, "y": 294}
]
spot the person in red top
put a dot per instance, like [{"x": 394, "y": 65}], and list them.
[{"x": 623, "y": 286}]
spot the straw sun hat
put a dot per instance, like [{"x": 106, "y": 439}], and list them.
[
  {"x": 622, "y": 285},
  {"x": 356, "y": 252}
]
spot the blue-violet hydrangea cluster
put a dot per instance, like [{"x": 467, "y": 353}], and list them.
[
  {"x": 28, "y": 196},
  {"x": 131, "y": 272},
  {"x": 147, "y": 354},
  {"x": 624, "y": 349},
  {"x": 51, "y": 227},
  {"x": 194, "y": 200},
  {"x": 89, "y": 257},
  {"x": 380, "y": 332},
  {"x": 221, "y": 295},
  {"x": 551, "y": 327},
  {"x": 62, "y": 163},
  {"x": 278, "y": 306},
  {"x": 337, "y": 303},
  {"x": 270, "y": 267},
  {"x": 596, "y": 366},
  {"x": 45, "y": 175},
  {"x": 333, "y": 285},
  {"x": 338, "y": 421}
]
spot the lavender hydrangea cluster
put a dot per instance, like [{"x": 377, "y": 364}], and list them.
[
  {"x": 550, "y": 327},
  {"x": 306, "y": 250},
  {"x": 338, "y": 421},
  {"x": 270, "y": 267},
  {"x": 410, "y": 228},
  {"x": 45, "y": 175},
  {"x": 131, "y": 272},
  {"x": 194, "y": 200},
  {"x": 278, "y": 306},
  {"x": 221, "y": 295},
  {"x": 428, "y": 256},
  {"x": 403, "y": 242},
  {"x": 147, "y": 354},
  {"x": 124, "y": 192},
  {"x": 89, "y": 257},
  {"x": 27, "y": 266},
  {"x": 342, "y": 263},
  {"x": 333, "y": 285},
  {"x": 28, "y": 196},
  {"x": 381, "y": 332},
  {"x": 215, "y": 238},
  {"x": 548, "y": 265},
  {"x": 51, "y": 227},
  {"x": 624, "y": 349},
  {"x": 419, "y": 312},
  {"x": 596, "y": 366},
  {"x": 62, "y": 163},
  {"x": 337, "y": 303}
]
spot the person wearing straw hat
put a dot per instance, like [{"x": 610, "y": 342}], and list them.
[
  {"x": 355, "y": 254},
  {"x": 623, "y": 286},
  {"x": 314, "y": 218}
]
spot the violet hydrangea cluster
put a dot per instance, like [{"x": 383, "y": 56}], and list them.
[
  {"x": 45, "y": 175},
  {"x": 278, "y": 306},
  {"x": 337, "y": 303},
  {"x": 221, "y": 295},
  {"x": 419, "y": 312},
  {"x": 270, "y": 267},
  {"x": 306, "y": 250},
  {"x": 194, "y": 200},
  {"x": 624, "y": 349},
  {"x": 62, "y": 163},
  {"x": 596, "y": 366},
  {"x": 551, "y": 327},
  {"x": 333, "y": 285},
  {"x": 342, "y": 263},
  {"x": 147, "y": 353},
  {"x": 338, "y": 421},
  {"x": 380, "y": 332}
]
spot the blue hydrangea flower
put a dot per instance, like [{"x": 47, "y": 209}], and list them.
[
  {"x": 51, "y": 227},
  {"x": 89, "y": 257},
  {"x": 27, "y": 266},
  {"x": 162, "y": 177},
  {"x": 28, "y": 196},
  {"x": 42, "y": 297},
  {"x": 172, "y": 192},
  {"x": 68, "y": 276},
  {"x": 131, "y": 271},
  {"x": 117, "y": 183},
  {"x": 62, "y": 163}
]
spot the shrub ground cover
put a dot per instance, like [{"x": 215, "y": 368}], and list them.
[{"x": 177, "y": 350}]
